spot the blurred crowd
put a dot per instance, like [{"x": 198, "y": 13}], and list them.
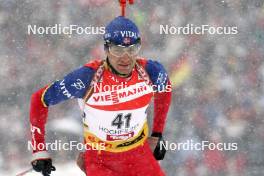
[{"x": 218, "y": 90}]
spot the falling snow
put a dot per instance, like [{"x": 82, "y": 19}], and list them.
[{"x": 218, "y": 90}]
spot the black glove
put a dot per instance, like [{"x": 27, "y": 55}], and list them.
[
  {"x": 160, "y": 150},
  {"x": 44, "y": 166}
]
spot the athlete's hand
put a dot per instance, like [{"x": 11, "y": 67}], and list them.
[
  {"x": 44, "y": 166},
  {"x": 155, "y": 142}
]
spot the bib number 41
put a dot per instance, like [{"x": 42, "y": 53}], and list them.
[{"x": 121, "y": 120}]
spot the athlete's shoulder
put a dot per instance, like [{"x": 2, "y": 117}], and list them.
[
  {"x": 156, "y": 71},
  {"x": 72, "y": 85},
  {"x": 153, "y": 66},
  {"x": 94, "y": 63}
]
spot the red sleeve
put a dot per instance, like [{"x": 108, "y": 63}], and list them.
[
  {"x": 38, "y": 118},
  {"x": 162, "y": 102}
]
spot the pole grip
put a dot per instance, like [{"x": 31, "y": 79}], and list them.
[{"x": 123, "y": 5}]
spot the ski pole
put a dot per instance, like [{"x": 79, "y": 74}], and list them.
[{"x": 25, "y": 172}]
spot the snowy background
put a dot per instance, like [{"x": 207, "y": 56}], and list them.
[{"x": 218, "y": 92}]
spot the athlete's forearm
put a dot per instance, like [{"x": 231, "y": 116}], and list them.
[
  {"x": 162, "y": 102},
  {"x": 38, "y": 118}
]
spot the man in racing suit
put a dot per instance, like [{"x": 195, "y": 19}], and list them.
[{"x": 113, "y": 95}]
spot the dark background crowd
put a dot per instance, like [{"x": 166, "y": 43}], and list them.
[{"x": 218, "y": 90}]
